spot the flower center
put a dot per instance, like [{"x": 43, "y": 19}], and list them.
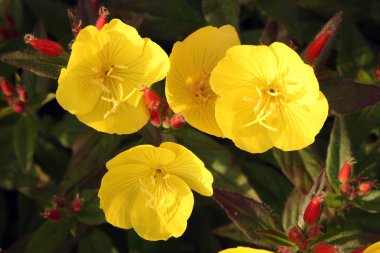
[
  {"x": 110, "y": 84},
  {"x": 202, "y": 89}
]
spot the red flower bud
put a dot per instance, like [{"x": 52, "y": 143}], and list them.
[
  {"x": 22, "y": 94},
  {"x": 316, "y": 47},
  {"x": 60, "y": 201},
  {"x": 314, "y": 231},
  {"x": 358, "y": 250},
  {"x": 52, "y": 214},
  {"x": 46, "y": 47},
  {"x": 345, "y": 172},
  {"x": 77, "y": 203},
  {"x": 294, "y": 234},
  {"x": 7, "y": 89},
  {"x": 152, "y": 99},
  {"x": 283, "y": 249},
  {"x": 345, "y": 188},
  {"x": 166, "y": 122},
  {"x": 303, "y": 245},
  {"x": 102, "y": 19},
  {"x": 313, "y": 210},
  {"x": 178, "y": 120},
  {"x": 325, "y": 248},
  {"x": 377, "y": 72},
  {"x": 18, "y": 106},
  {"x": 352, "y": 195},
  {"x": 365, "y": 187},
  {"x": 155, "y": 117}
]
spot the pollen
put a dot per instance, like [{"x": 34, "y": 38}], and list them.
[{"x": 202, "y": 89}]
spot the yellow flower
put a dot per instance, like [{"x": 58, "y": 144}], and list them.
[
  {"x": 148, "y": 188},
  {"x": 267, "y": 96},
  {"x": 244, "y": 250},
  {"x": 374, "y": 248},
  {"x": 187, "y": 84},
  {"x": 107, "y": 68}
]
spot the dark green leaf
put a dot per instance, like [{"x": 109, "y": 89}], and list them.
[
  {"x": 233, "y": 232},
  {"x": 96, "y": 241},
  {"x": 292, "y": 208},
  {"x": 221, "y": 12},
  {"x": 338, "y": 151},
  {"x": 370, "y": 202},
  {"x": 24, "y": 141},
  {"x": 90, "y": 214},
  {"x": 36, "y": 62},
  {"x": 48, "y": 237}
]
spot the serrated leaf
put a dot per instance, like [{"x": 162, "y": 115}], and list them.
[
  {"x": 221, "y": 12},
  {"x": 250, "y": 216},
  {"x": 48, "y": 236},
  {"x": 338, "y": 151},
  {"x": 36, "y": 62},
  {"x": 90, "y": 214},
  {"x": 96, "y": 241},
  {"x": 24, "y": 141}
]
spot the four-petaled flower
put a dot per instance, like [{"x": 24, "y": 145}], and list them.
[
  {"x": 244, "y": 250},
  {"x": 188, "y": 89},
  {"x": 105, "y": 75},
  {"x": 148, "y": 188},
  {"x": 267, "y": 96}
]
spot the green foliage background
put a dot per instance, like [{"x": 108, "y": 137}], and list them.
[{"x": 45, "y": 151}]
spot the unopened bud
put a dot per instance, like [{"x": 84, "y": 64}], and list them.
[
  {"x": 352, "y": 195},
  {"x": 77, "y": 203},
  {"x": 358, "y": 250},
  {"x": 377, "y": 72},
  {"x": 313, "y": 210},
  {"x": 22, "y": 94},
  {"x": 52, "y": 214},
  {"x": 102, "y": 19},
  {"x": 345, "y": 172},
  {"x": 152, "y": 99},
  {"x": 345, "y": 188},
  {"x": 7, "y": 88},
  {"x": 325, "y": 248},
  {"x": 283, "y": 249},
  {"x": 303, "y": 245},
  {"x": 314, "y": 231},
  {"x": 365, "y": 187},
  {"x": 178, "y": 120},
  {"x": 18, "y": 106},
  {"x": 46, "y": 47},
  {"x": 316, "y": 47},
  {"x": 155, "y": 117},
  {"x": 294, "y": 234},
  {"x": 166, "y": 122},
  {"x": 59, "y": 201}
]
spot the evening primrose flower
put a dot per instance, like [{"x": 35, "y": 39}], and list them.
[
  {"x": 267, "y": 96},
  {"x": 106, "y": 72},
  {"x": 374, "y": 248},
  {"x": 188, "y": 89},
  {"x": 148, "y": 188},
  {"x": 244, "y": 250}
]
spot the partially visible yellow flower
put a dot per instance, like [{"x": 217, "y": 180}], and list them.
[
  {"x": 106, "y": 71},
  {"x": 188, "y": 89},
  {"x": 267, "y": 96},
  {"x": 374, "y": 248},
  {"x": 148, "y": 188},
  {"x": 244, "y": 250}
]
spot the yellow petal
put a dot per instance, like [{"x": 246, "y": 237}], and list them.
[
  {"x": 298, "y": 124},
  {"x": 244, "y": 66},
  {"x": 118, "y": 191},
  {"x": 244, "y": 250},
  {"x": 143, "y": 154},
  {"x": 189, "y": 168},
  {"x": 187, "y": 85},
  {"x": 125, "y": 119},
  {"x": 298, "y": 78},
  {"x": 162, "y": 212},
  {"x": 235, "y": 111},
  {"x": 374, "y": 248}
]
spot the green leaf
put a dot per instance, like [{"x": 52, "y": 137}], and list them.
[
  {"x": 90, "y": 214},
  {"x": 251, "y": 217},
  {"x": 36, "y": 62},
  {"x": 96, "y": 241},
  {"x": 292, "y": 208},
  {"x": 91, "y": 151},
  {"x": 24, "y": 141},
  {"x": 48, "y": 237},
  {"x": 347, "y": 96},
  {"x": 338, "y": 152},
  {"x": 231, "y": 231},
  {"x": 370, "y": 202},
  {"x": 221, "y": 12}
]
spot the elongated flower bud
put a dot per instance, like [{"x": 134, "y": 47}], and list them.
[
  {"x": 102, "y": 19},
  {"x": 7, "y": 88},
  {"x": 314, "y": 231},
  {"x": 59, "y": 201},
  {"x": 152, "y": 99},
  {"x": 77, "y": 203},
  {"x": 345, "y": 172},
  {"x": 316, "y": 47},
  {"x": 345, "y": 188},
  {"x": 52, "y": 214},
  {"x": 325, "y": 248},
  {"x": 365, "y": 187},
  {"x": 303, "y": 245},
  {"x": 178, "y": 120},
  {"x": 155, "y": 117},
  {"x": 18, "y": 105},
  {"x": 46, "y": 47},
  {"x": 294, "y": 234},
  {"x": 313, "y": 210}
]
